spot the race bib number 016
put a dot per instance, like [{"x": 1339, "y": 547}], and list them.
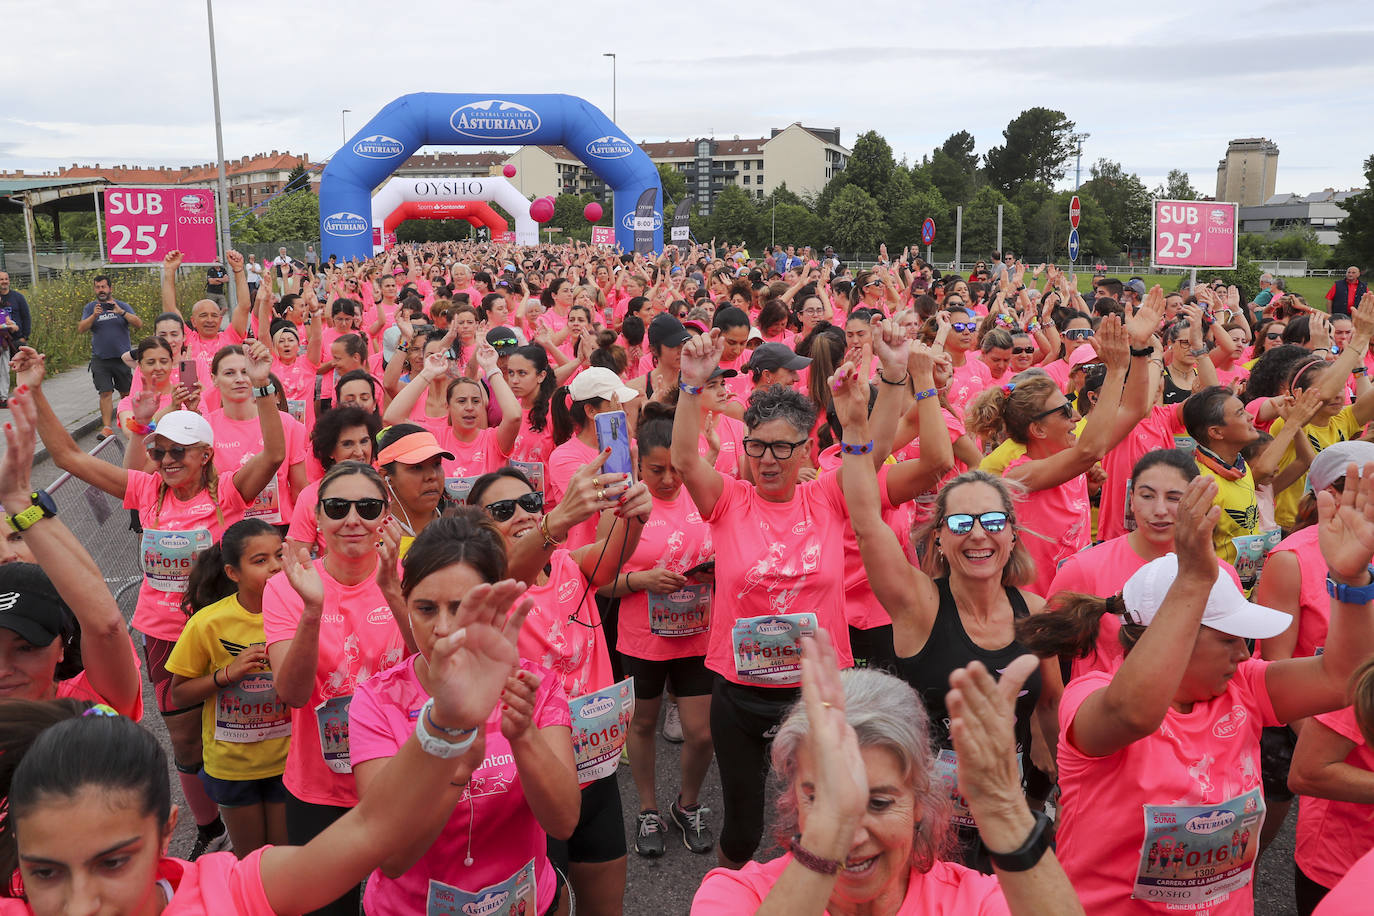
[{"x": 1197, "y": 854}]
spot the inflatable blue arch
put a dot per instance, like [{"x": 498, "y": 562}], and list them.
[{"x": 479, "y": 119}]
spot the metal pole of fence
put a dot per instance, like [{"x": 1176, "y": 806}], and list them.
[
  {"x": 999, "y": 227},
  {"x": 958, "y": 237}
]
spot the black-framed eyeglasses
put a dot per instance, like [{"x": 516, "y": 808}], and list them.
[
  {"x": 178, "y": 452},
  {"x": 755, "y": 448},
  {"x": 503, "y": 509},
  {"x": 964, "y": 327},
  {"x": 1066, "y": 409},
  {"x": 962, "y": 522},
  {"x": 1078, "y": 333},
  {"x": 1022, "y": 351},
  {"x": 336, "y": 507}
]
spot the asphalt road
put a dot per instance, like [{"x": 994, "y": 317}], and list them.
[{"x": 654, "y": 886}]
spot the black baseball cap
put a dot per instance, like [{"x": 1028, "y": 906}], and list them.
[
  {"x": 775, "y": 356},
  {"x": 504, "y": 340},
  {"x": 29, "y": 605},
  {"x": 667, "y": 331}
]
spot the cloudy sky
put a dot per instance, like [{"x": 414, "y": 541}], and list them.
[{"x": 1159, "y": 85}]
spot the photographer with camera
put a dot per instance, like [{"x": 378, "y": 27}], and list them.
[{"x": 109, "y": 321}]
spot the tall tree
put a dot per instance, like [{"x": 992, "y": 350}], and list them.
[
  {"x": 674, "y": 183},
  {"x": 1037, "y": 145},
  {"x": 953, "y": 168},
  {"x": 790, "y": 224},
  {"x": 856, "y": 224},
  {"x": 1357, "y": 229},
  {"x": 1176, "y": 186},
  {"x": 904, "y": 223},
  {"x": 871, "y": 164},
  {"x": 980, "y": 223},
  {"x": 1124, "y": 200},
  {"x": 734, "y": 217},
  {"x": 297, "y": 180}
]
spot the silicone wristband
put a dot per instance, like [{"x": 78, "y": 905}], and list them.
[
  {"x": 857, "y": 449},
  {"x": 928, "y": 393}
]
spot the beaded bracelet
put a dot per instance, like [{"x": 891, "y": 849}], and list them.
[
  {"x": 1033, "y": 326},
  {"x": 856, "y": 449},
  {"x": 137, "y": 428},
  {"x": 689, "y": 389},
  {"x": 812, "y": 862},
  {"x": 928, "y": 393}
]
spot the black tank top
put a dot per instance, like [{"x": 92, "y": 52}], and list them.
[{"x": 949, "y": 647}]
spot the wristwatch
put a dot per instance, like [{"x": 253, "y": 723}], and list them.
[
  {"x": 1351, "y": 594},
  {"x": 43, "y": 507},
  {"x": 266, "y": 391},
  {"x": 1030, "y": 852},
  {"x": 454, "y": 742}
]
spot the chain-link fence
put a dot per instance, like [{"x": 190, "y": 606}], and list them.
[{"x": 102, "y": 525}]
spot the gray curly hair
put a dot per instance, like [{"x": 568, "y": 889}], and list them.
[{"x": 884, "y": 712}]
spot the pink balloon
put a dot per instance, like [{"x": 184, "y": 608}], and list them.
[
  {"x": 592, "y": 212},
  {"x": 508, "y": 171},
  {"x": 541, "y": 211}
]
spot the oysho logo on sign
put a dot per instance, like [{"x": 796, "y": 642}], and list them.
[
  {"x": 1218, "y": 216},
  {"x": 192, "y": 203},
  {"x": 610, "y": 147},
  {"x": 494, "y": 119},
  {"x": 345, "y": 223},
  {"x": 378, "y": 146},
  {"x": 649, "y": 224}
]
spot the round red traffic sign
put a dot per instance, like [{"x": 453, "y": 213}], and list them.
[
  {"x": 927, "y": 231},
  {"x": 1075, "y": 212}
]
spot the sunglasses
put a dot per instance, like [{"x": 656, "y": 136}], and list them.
[
  {"x": 963, "y": 327},
  {"x": 1078, "y": 333},
  {"x": 336, "y": 507},
  {"x": 962, "y": 523},
  {"x": 178, "y": 452},
  {"x": 1269, "y": 335},
  {"x": 1066, "y": 409},
  {"x": 503, "y": 509},
  {"x": 504, "y": 342},
  {"x": 1022, "y": 351},
  {"x": 873, "y": 283}
]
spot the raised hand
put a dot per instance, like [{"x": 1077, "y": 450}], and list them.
[
  {"x": 1305, "y": 406},
  {"x": 28, "y": 366},
  {"x": 517, "y": 704},
  {"x": 850, "y": 396},
  {"x": 436, "y": 366},
  {"x": 259, "y": 362},
  {"x": 890, "y": 344},
  {"x": 700, "y": 356},
  {"x": 469, "y": 668},
  {"x": 487, "y": 359},
  {"x": 590, "y": 490},
  {"x": 1111, "y": 343},
  {"x": 1363, "y": 317},
  {"x": 1197, "y": 517},
  {"x": 840, "y": 777},
  {"x": 637, "y": 503},
  {"x": 982, "y": 726},
  {"x": 21, "y": 437},
  {"x": 171, "y": 260},
  {"x": 1142, "y": 325},
  {"x": 305, "y": 579},
  {"x": 235, "y": 261},
  {"x": 1347, "y": 524},
  {"x": 144, "y": 406}
]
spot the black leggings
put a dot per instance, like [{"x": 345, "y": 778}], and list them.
[
  {"x": 304, "y": 822},
  {"x": 1306, "y": 892},
  {"x": 743, "y": 723}
]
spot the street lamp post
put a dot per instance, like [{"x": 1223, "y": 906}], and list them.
[
  {"x": 343, "y": 122},
  {"x": 611, "y": 55},
  {"x": 224, "y": 240}
]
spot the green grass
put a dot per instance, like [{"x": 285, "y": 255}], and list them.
[
  {"x": 1313, "y": 289},
  {"x": 56, "y": 310}
]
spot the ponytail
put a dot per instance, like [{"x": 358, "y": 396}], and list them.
[
  {"x": 1007, "y": 411},
  {"x": 1069, "y": 625},
  {"x": 208, "y": 581}
]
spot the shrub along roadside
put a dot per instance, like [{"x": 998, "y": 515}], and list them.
[{"x": 56, "y": 309}]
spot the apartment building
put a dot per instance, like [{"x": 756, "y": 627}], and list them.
[{"x": 1247, "y": 173}]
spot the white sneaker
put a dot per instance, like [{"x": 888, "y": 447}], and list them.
[{"x": 672, "y": 725}]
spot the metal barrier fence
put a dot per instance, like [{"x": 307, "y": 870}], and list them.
[{"x": 102, "y": 525}]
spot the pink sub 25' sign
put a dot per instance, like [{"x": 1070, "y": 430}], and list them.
[
  {"x": 1195, "y": 233},
  {"x": 143, "y": 224}
]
